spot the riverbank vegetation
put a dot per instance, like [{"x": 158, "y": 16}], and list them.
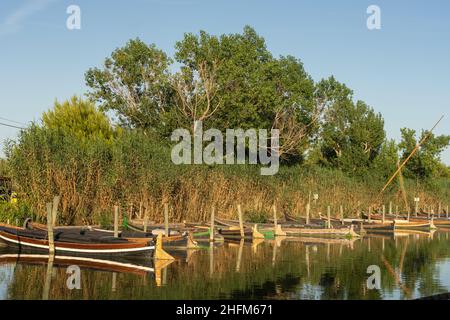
[{"x": 113, "y": 147}]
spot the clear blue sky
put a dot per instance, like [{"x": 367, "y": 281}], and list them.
[{"x": 402, "y": 70}]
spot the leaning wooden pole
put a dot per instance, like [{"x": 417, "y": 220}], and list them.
[{"x": 410, "y": 156}]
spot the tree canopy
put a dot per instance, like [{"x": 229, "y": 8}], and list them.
[{"x": 234, "y": 81}]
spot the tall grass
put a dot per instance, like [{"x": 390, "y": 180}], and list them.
[{"x": 135, "y": 169}]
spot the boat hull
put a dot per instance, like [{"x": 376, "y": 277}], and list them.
[{"x": 13, "y": 238}]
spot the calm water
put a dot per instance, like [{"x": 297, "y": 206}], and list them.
[{"x": 412, "y": 266}]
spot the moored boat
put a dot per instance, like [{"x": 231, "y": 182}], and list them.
[
  {"x": 234, "y": 233},
  {"x": 70, "y": 241}
]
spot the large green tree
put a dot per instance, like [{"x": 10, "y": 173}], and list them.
[
  {"x": 134, "y": 83},
  {"x": 250, "y": 88},
  {"x": 352, "y": 133}
]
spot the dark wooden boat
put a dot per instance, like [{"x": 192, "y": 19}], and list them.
[
  {"x": 234, "y": 233},
  {"x": 173, "y": 241},
  {"x": 70, "y": 241}
]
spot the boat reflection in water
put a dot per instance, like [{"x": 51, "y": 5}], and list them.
[{"x": 144, "y": 268}]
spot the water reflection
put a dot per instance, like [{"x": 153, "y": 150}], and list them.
[{"x": 412, "y": 266}]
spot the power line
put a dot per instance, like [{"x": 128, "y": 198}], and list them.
[
  {"x": 11, "y": 126},
  {"x": 16, "y": 122}
]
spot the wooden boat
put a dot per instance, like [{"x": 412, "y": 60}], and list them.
[
  {"x": 302, "y": 220},
  {"x": 438, "y": 222},
  {"x": 267, "y": 230},
  {"x": 340, "y": 232},
  {"x": 405, "y": 225},
  {"x": 397, "y": 225},
  {"x": 234, "y": 233},
  {"x": 82, "y": 262},
  {"x": 68, "y": 241},
  {"x": 261, "y": 226}
]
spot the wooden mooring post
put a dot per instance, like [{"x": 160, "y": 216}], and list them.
[
  {"x": 329, "y": 217},
  {"x": 396, "y": 212},
  {"x": 447, "y": 212},
  {"x": 370, "y": 214},
  {"x": 211, "y": 232},
  {"x": 308, "y": 211},
  {"x": 416, "y": 209},
  {"x": 275, "y": 218},
  {"x": 166, "y": 219},
  {"x": 141, "y": 210},
  {"x": 145, "y": 219},
  {"x": 116, "y": 221},
  {"x": 55, "y": 210},
  {"x": 50, "y": 236},
  {"x": 390, "y": 207},
  {"x": 277, "y": 228},
  {"x": 341, "y": 210},
  {"x": 241, "y": 222},
  {"x": 384, "y": 213},
  {"x": 439, "y": 210}
]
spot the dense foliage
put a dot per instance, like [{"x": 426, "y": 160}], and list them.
[{"x": 329, "y": 143}]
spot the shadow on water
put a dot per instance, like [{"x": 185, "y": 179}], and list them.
[{"x": 411, "y": 265}]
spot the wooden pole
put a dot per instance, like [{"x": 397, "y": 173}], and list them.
[
  {"x": 145, "y": 219},
  {"x": 416, "y": 209},
  {"x": 239, "y": 258},
  {"x": 439, "y": 209},
  {"x": 447, "y": 213},
  {"x": 396, "y": 212},
  {"x": 140, "y": 209},
  {"x": 241, "y": 222},
  {"x": 275, "y": 219},
  {"x": 329, "y": 217},
  {"x": 211, "y": 233},
  {"x": 341, "y": 209},
  {"x": 116, "y": 221},
  {"x": 55, "y": 210},
  {"x": 410, "y": 156},
  {"x": 166, "y": 219},
  {"x": 308, "y": 209},
  {"x": 211, "y": 259},
  {"x": 384, "y": 213},
  {"x": 51, "y": 239},
  {"x": 48, "y": 277},
  {"x": 370, "y": 214},
  {"x": 390, "y": 207}
]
